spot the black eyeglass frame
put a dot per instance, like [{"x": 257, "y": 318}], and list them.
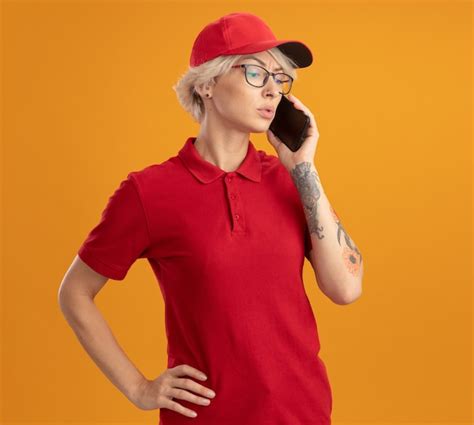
[{"x": 273, "y": 74}]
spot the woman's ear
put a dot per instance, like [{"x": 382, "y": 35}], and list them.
[{"x": 204, "y": 92}]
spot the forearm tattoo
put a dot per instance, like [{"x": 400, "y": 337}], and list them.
[
  {"x": 308, "y": 184},
  {"x": 352, "y": 255}
]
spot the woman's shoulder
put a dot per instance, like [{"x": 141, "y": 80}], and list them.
[
  {"x": 157, "y": 175},
  {"x": 271, "y": 164},
  {"x": 157, "y": 170}
]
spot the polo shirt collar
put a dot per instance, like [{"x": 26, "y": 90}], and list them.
[{"x": 206, "y": 172}]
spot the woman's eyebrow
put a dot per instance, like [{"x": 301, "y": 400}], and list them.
[{"x": 263, "y": 63}]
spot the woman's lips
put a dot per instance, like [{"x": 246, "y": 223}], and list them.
[{"x": 265, "y": 114}]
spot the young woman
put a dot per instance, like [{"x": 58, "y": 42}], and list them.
[{"x": 225, "y": 228}]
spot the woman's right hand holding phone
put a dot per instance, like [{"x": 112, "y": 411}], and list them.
[{"x": 172, "y": 384}]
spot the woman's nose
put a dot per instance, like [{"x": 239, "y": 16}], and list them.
[{"x": 271, "y": 86}]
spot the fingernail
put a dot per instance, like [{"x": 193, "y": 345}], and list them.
[{"x": 204, "y": 377}]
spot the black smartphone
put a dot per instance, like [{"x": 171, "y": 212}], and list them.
[{"x": 289, "y": 124}]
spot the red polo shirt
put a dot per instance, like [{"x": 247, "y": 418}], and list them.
[{"x": 227, "y": 249}]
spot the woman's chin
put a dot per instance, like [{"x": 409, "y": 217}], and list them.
[{"x": 261, "y": 128}]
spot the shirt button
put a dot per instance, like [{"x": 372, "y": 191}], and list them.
[
  {"x": 232, "y": 196},
  {"x": 237, "y": 216}
]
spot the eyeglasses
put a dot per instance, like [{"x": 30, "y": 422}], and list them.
[{"x": 257, "y": 76}]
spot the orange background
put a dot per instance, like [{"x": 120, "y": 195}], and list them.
[{"x": 87, "y": 98}]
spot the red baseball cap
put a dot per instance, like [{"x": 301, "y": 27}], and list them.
[{"x": 242, "y": 33}]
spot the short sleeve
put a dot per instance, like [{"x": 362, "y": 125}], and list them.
[
  {"x": 308, "y": 245},
  {"x": 121, "y": 236}
]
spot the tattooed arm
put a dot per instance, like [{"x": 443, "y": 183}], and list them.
[{"x": 335, "y": 258}]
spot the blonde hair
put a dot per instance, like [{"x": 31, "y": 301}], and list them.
[{"x": 208, "y": 72}]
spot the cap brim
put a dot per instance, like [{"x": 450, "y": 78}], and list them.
[
  {"x": 298, "y": 51},
  {"x": 295, "y": 49}
]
